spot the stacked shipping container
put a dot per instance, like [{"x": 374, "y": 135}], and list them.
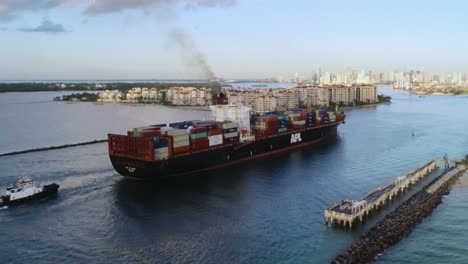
[
  {"x": 297, "y": 118},
  {"x": 158, "y": 142},
  {"x": 323, "y": 116},
  {"x": 230, "y": 133},
  {"x": 199, "y": 138},
  {"x": 180, "y": 141}
]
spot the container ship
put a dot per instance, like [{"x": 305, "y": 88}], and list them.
[{"x": 234, "y": 135}]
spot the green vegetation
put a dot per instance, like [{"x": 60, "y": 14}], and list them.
[
  {"x": 384, "y": 99},
  {"x": 464, "y": 161},
  {"x": 164, "y": 98},
  {"x": 47, "y": 87},
  {"x": 81, "y": 97},
  {"x": 446, "y": 91},
  {"x": 92, "y": 97},
  {"x": 455, "y": 91},
  {"x": 123, "y": 87}
]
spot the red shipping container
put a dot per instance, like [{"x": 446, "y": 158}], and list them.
[
  {"x": 183, "y": 149},
  {"x": 170, "y": 144},
  {"x": 200, "y": 140},
  {"x": 272, "y": 122},
  {"x": 131, "y": 147},
  {"x": 199, "y": 144},
  {"x": 197, "y": 130},
  {"x": 215, "y": 132}
]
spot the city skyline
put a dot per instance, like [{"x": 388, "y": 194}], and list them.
[{"x": 102, "y": 39}]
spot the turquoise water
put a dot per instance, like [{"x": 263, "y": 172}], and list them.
[{"x": 270, "y": 211}]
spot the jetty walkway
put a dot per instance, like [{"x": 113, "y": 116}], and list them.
[
  {"x": 346, "y": 212},
  {"x": 398, "y": 224}
]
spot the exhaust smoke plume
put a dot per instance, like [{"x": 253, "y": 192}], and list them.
[{"x": 190, "y": 54}]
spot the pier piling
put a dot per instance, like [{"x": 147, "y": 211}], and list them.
[{"x": 346, "y": 212}]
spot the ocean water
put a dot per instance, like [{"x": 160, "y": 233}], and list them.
[{"x": 268, "y": 211}]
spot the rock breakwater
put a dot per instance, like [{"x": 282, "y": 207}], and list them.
[
  {"x": 53, "y": 147},
  {"x": 400, "y": 222}
]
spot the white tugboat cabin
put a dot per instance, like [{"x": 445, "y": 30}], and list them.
[{"x": 25, "y": 190}]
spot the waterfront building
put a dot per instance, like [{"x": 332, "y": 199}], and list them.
[
  {"x": 265, "y": 103},
  {"x": 174, "y": 95},
  {"x": 264, "y": 100}
]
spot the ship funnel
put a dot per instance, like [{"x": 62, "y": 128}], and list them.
[{"x": 222, "y": 99}]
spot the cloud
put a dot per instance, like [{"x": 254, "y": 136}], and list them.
[
  {"x": 211, "y": 3},
  {"x": 9, "y": 9},
  {"x": 97, "y": 7},
  {"x": 46, "y": 26},
  {"x": 3, "y": 28}
]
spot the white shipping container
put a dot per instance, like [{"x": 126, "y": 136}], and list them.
[
  {"x": 299, "y": 122},
  {"x": 230, "y": 135},
  {"x": 161, "y": 156},
  {"x": 181, "y": 143},
  {"x": 161, "y": 150},
  {"x": 215, "y": 140},
  {"x": 177, "y": 132},
  {"x": 260, "y": 124},
  {"x": 181, "y": 138},
  {"x": 229, "y": 125}
]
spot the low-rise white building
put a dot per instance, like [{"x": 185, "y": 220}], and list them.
[{"x": 111, "y": 96}]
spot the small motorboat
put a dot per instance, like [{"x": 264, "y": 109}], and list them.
[{"x": 24, "y": 191}]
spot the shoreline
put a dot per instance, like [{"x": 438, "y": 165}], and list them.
[
  {"x": 433, "y": 94},
  {"x": 187, "y": 107},
  {"x": 200, "y": 108},
  {"x": 367, "y": 105}
]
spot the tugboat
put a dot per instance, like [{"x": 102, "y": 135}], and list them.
[{"x": 24, "y": 191}]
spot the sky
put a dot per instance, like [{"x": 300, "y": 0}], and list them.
[{"x": 199, "y": 39}]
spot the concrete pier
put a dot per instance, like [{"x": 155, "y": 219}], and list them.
[
  {"x": 346, "y": 212},
  {"x": 399, "y": 223}
]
